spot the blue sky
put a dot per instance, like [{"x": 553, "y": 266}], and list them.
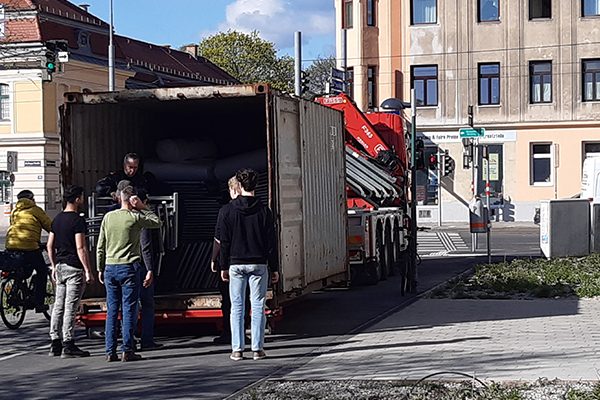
[{"x": 180, "y": 22}]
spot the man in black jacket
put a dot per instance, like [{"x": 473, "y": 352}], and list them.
[
  {"x": 248, "y": 257},
  {"x": 131, "y": 172}
]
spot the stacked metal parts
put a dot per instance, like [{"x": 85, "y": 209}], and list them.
[{"x": 187, "y": 268}]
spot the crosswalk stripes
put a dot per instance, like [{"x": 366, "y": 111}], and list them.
[{"x": 440, "y": 243}]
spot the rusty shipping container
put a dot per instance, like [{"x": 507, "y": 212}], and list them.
[{"x": 192, "y": 140}]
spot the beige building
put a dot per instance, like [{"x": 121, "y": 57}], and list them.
[
  {"x": 529, "y": 68},
  {"x": 30, "y": 97}
]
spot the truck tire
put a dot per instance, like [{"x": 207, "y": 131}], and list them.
[{"x": 373, "y": 270}]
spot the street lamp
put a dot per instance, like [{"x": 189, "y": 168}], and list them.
[
  {"x": 111, "y": 53},
  {"x": 398, "y": 105}
]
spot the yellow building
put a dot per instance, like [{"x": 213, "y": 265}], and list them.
[
  {"x": 530, "y": 69},
  {"x": 30, "y": 98}
]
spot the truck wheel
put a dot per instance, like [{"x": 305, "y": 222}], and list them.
[
  {"x": 373, "y": 269},
  {"x": 389, "y": 248},
  {"x": 383, "y": 262}
]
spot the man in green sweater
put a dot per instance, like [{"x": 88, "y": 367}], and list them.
[{"x": 118, "y": 258}]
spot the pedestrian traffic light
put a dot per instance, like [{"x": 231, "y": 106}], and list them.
[
  {"x": 447, "y": 165},
  {"x": 50, "y": 58},
  {"x": 304, "y": 82},
  {"x": 432, "y": 162},
  {"x": 419, "y": 154},
  {"x": 470, "y": 111}
]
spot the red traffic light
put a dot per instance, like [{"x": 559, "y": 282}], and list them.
[{"x": 432, "y": 161}]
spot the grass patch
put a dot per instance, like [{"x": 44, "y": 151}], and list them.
[{"x": 528, "y": 278}]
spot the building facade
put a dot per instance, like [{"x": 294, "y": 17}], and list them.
[
  {"x": 30, "y": 98},
  {"x": 530, "y": 69}
]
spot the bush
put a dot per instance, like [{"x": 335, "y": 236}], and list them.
[{"x": 530, "y": 278}]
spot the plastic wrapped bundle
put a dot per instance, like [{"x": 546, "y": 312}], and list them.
[
  {"x": 165, "y": 171},
  {"x": 180, "y": 150},
  {"x": 227, "y": 167}
]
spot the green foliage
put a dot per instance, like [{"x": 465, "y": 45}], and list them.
[
  {"x": 249, "y": 58},
  {"x": 319, "y": 73},
  {"x": 531, "y": 278}
]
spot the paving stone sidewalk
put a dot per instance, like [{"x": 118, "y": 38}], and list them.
[{"x": 499, "y": 340}]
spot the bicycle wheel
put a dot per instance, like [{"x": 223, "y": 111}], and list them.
[
  {"x": 49, "y": 298},
  {"x": 12, "y": 303}
]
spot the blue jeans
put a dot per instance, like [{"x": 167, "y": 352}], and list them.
[
  {"x": 147, "y": 302},
  {"x": 240, "y": 276},
  {"x": 122, "y": 283}
]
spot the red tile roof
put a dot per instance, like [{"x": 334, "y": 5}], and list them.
[{"x": 128, "y": 51}]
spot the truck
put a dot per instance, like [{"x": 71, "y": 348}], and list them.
[
  {"x": 377, "y": 191},
  {"x": 192, "y": 139}
]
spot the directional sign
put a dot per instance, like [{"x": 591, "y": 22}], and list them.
[
  {"x": 338, "y": 74},
  {"x": 471, "y": 132}
]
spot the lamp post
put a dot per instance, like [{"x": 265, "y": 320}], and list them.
[
  {"x": 111, "y": 53},
  {"x": 398, "y": 105}
]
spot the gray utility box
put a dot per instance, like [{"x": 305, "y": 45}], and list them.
[
  {"x": 565, "y": 227},
  {"x": 595, "y": 229}
]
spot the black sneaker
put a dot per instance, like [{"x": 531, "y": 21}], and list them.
[
  {"x": 151, "y": 346},
  {"x": 223, "y": 339},
  {"x": 130, "y": 356},
  {"x": 112, "y": 357},
  {"x": 56, "y": 348},
  {"x": 70, "y": 350}
]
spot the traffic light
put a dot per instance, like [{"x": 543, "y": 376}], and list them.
[
  {"x": 50, "y": 58},
  {"x": 448, "y": 164},
  {"x": 304, "y": 82},
  {"x": 432, "y": 162},
  {"x": 470, "y": 111},
  {"x": 419, "y": 153}
]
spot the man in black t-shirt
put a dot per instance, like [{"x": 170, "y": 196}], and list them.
[{"x": 71, "y": 270}]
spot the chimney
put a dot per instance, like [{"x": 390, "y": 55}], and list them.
[
  {"x": 85, "y": 7},
  {"x": 191, "y": 49}
]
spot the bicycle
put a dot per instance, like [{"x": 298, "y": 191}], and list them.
[{"x": 16, "y": 290}]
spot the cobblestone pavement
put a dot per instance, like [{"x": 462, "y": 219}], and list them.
[{"x": 500, "y": 340}]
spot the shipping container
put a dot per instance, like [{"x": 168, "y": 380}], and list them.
[{"x": 192, "y": 140}]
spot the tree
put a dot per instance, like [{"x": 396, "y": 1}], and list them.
[
  {"x": 319, "y": 73},
  {"x": 249, "y": 58}
]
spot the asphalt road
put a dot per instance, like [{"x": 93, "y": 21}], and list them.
[{"x": 191, "y": 366}]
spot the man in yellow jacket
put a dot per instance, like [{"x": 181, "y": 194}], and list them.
[{"x": 26, "y": 223}]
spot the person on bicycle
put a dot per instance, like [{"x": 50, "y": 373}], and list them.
[
  {"x": 24, "y": 233},
  {"x": 71, "y": 270}
]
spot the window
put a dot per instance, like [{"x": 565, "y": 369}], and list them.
[
  {"x": 540, "y": 81},
  {"x": 541, "y": 163},
  {"x": 372, "y": 87},
  {"x": 347, "y": 14},
  {"x": 371, "y": 4},
  {"x": 350, "y": 81},
  {"x": 591, "y": 149},
  {"x": 489, "y": 10},
  {"x": 423, "y": 12},
  {"x": 540, "y": 9},
  {"x": 4, "y": 102},
  {"x": 489, "y": 84},
  {"x": 591, "y": 79},
  {"x": 590, "y": 7},
  {"x": 425, "y": 82}
]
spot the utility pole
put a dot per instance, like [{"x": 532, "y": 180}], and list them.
[
  {"x": 298, "y": 64},
  {"x": 344, "y": 66},
  {"x": 412, "y": 272},
  {"x": 439, "y": 181},
  {"x": 488, "y": 222},
  {"x": 111, "y": 53}
]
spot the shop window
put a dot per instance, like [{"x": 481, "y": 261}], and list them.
[{"x": 541, "y": 164}]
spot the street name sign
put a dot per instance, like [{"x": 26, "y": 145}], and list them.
[{"x": 471, "y": 132}]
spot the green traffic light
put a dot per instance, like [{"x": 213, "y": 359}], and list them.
[{"x": 50, "y": 66}]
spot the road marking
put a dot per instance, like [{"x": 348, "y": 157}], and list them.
[
  {"x": 13, "y": 356},
  {"x": 440, "y": 243}
]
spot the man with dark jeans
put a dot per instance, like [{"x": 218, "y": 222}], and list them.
[
  {"x": 67, "y": 250},
  {"x": 26, "y": 223},
  {"x": 118, "y": 257}
]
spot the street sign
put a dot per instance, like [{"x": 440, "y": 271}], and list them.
[
  {"x": 337, "y": 85},
  {"x": 12, "y": 161},
  {"x": 63, "y": 56},
  {"x": 338, "y": 74},
  {"x": 471, "y": 132}
]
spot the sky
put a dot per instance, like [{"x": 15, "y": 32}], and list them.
[{"x": 180, "y": 22}]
